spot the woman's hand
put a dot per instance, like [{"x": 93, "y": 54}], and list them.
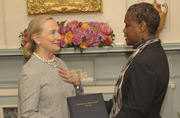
[{"x": 70, "y": 77}]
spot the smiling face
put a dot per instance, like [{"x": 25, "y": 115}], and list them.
[
  {"x": 131, "y": 30},
  {"x": 49, "y": 38}
]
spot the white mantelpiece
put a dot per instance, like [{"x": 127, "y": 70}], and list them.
[{"x": 108, "y": 49}]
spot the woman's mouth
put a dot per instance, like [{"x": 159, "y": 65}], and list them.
[{"x": 58, "y": 44}]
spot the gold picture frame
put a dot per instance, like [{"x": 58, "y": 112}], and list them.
[{"x": 63, "y": 7}]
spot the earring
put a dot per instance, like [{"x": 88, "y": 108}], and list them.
[
  {"x": 142, "y": 36},
  {"x": 38, "y": 43}
]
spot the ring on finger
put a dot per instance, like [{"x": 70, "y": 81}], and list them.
[{"x": 67, "y": 77}]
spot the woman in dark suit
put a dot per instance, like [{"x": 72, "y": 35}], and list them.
[{"x": 143, "y": 81}]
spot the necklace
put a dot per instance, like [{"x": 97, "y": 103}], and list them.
[{"x": 48, "y": 61}]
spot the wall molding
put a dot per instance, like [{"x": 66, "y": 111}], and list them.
[
  {"x": 89, "y": 50},
  {"x": 8, "y": 92},
  {"x": 87, "y": 90}
]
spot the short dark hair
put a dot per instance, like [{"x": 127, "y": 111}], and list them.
[{"x": 145, "y": 12}]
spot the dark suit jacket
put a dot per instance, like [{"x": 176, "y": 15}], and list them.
[{"x": 145, "y": 84}]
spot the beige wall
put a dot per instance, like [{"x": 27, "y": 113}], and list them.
[
  {"x": 14, "y": 19},
  {"x": 2, "y": 33}
]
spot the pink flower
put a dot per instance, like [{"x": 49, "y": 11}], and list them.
[
  {"x": 105, "y": 29},
  {"x": 26, "y": 33},
  {"x": 103, "y": 37},
  {"x": 72, "y": 24},
  {"x": 78, "y": 36},
  {"x": 89, "y": 40},
  {"x": 27, "y": 37}
]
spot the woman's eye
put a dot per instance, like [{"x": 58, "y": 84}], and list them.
[
  {"x": 52, "y": 32},
  {"x": 127, "y": 25}
]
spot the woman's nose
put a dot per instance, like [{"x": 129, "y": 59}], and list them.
[
  {"x": 124, "y": 30},
  {"x": 58, "y": 36}
]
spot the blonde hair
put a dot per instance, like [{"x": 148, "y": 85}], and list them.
[{"x": 34, "y": 27}]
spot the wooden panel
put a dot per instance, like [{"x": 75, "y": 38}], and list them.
[
  {"x": 108, "y": 67},
  {"x": 11, "y": 100},
  {"x": 10, "y": 68},
  {"x": 170, "y": 61},
  {"x": 176, "y": 97},
  {"x": 175, "y": 64},
  {"x": 84, "y": 63},
  {"x": 167, "y": 107}
]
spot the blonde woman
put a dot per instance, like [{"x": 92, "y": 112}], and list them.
[{"x": 42, "y": 89}]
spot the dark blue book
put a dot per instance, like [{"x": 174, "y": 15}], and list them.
[{"x": 87, "y": 106}]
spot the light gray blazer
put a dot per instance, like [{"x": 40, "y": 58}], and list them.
[{"x": 41, "y": 91}]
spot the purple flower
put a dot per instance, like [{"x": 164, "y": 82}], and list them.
[
  {"x": 96, "y": 40},
  {"x": 94, "y": 24},
  {"x": 59, "y": 25},
  {"x": 63, "y": 43},
  {"x": 90, "y": 23},
  {"x": 74, "y": 29},
  {"x": 62, "y": 29},
  {"x": 88, "y": 31},
  {"x": 23, "y": 43}
]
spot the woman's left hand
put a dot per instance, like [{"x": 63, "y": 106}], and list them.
[{"x": 70, "y": 77}]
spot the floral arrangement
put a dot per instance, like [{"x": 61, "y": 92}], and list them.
[
  {"x": 80, "y": 35},
  {"x": 24, "y": 36}
]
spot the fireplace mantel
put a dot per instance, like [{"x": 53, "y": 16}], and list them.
[{"x": 108, "y": 49}]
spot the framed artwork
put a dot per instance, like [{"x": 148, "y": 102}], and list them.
[
  {"x": 8, "y": 111},
  {"x": 63, "y": 7}
]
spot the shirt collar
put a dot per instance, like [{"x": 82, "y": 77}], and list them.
[{"x": 139, "y": 43}]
